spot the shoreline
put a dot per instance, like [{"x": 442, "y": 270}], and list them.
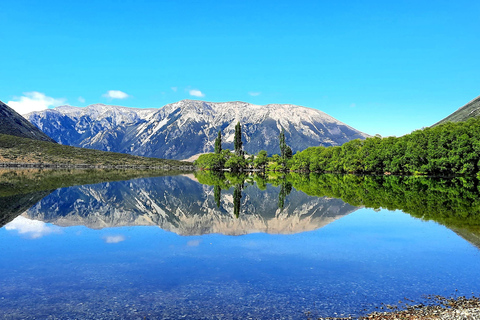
[
  {"x": 40, "y": 165},
  {"x": 440, "y": 308}
]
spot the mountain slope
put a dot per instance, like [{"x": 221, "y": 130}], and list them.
[
  {"x": 470, "y": 110},
  {"x": 14, "y": 124},
  {"x": 188, "y": 127},
  {"x": 24, "y": 150}
]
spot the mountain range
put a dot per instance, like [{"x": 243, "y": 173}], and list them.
[{"x": 183, "y": 129}]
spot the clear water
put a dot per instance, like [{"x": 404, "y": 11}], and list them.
[{"x": 99, "y": 251}]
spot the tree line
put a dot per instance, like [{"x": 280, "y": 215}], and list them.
[
  {"x": 448, "y": 149},
  {"x": 238, "y": 160},
  {"x": 454, "y": 202}
]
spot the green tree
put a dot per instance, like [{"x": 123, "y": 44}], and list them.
[
  {"x": 210, "y": 161},
  {"x": 237, "y": 142},
  {"x": 218, "y": 142},
  {"x": 288, "y": 152},
  {"x": 217, "y": 193},
  {"x": 261, "y": 160},
  {"x": 285, "y": 189},
  {"x": 235, "y": 163},
  {"x": 283, "y": 144},
  {"x": 237, "y": 197}
]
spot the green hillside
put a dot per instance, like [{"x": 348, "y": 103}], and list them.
[
  {"x": 470, "y": 110},
  {"x": 24, "y": 150}
]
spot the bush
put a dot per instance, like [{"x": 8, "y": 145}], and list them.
[{"x": 210, "y": 161}]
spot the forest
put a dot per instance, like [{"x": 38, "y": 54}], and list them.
[
  {"x": 445, "y": 150},
  {"x": 449, "y": 149}
]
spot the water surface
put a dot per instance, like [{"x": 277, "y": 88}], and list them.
[{"x": 171, "y": 247}]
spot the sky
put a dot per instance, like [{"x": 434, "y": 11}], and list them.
[{"x": 382, "y": 67}]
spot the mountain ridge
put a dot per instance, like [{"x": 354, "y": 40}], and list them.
[
  {"x": 14, "y": 124},
  {"x": 469, "y": 110},
  {"x": 182, "y": 129}
]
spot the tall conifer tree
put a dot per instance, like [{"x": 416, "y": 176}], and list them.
[
  {"x": 218, "y": 142},
  {"x": 283, "y": 144},
  {"x": 237, "y": 142}
]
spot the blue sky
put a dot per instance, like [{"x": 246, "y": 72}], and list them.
[{"x": 386, "y": 67}]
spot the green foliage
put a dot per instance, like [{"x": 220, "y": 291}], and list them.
[
  {"x": 285, "y": 189},
  {"x": 445, "y": 150},
  {"x": 217, "y": 194},
  {"x": 210, "y": 161},
  {"x": 226, "y": 154},
  {"x": 218, "y": 142},
  {"x": 237, "y": 197},
  {"x": 275, "y": 166},
  {"x": 237, "y": 141},
  {"x": 285, "y": 151},
  {"x": 261, "y": 160},
  {"x": 288, "y": 152},
  {"x": 250, "y": 159},
  {"x": 452, "y": 202},
  {"x": 235, "y": 163},
  {"x": 283, "y": 144},
  {"x": 213, "y": 178}
]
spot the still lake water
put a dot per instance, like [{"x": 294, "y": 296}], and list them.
[{"x": 170, "y": 247}]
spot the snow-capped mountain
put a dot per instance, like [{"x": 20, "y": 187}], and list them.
[
  {"x": 181, "y": 205},
  {"x": 188, "y": 127}
]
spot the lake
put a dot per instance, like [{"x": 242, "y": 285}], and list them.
[{"x": 204, "y": 246}]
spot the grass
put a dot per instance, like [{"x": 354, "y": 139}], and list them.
[{"x": 24, "y": 150}]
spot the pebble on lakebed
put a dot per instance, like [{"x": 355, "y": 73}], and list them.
[{"x": 440, "y": 308}]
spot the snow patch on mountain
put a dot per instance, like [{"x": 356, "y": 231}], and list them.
[{"x": 188, "y": 127}]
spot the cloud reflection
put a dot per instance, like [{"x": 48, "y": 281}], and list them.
[
  {"x": 114, "y": 239},
  {"x": 33, "y": 229},
  {"x": 194, "y": 243}
]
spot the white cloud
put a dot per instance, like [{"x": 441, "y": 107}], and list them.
[
  {"x": 353, "y": 105},
  {"x": 81, "y": 99},
  {"x": 33, "y": 101},
  {"x": 33, "y": 229},
  {"x": 114, "y": 239},
  {"x": 115, "y": 94},
  {"x": 196, "y": 93},
  {"x": 174, "y": 89},
  {"x": 254, "y": 94}
]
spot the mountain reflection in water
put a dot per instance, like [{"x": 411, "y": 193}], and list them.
[
  {"x": 111, "y": 270},
  {"x": 182, "y": 205},
  {"x": 202, "y": 203}
]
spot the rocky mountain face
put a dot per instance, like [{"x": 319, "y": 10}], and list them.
[
  {"x": 185, "y": 128},
  {"x": 470, "y": 110},
  {"x": 181, "y": 205},
  {"x": 14, "y": 124}
]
